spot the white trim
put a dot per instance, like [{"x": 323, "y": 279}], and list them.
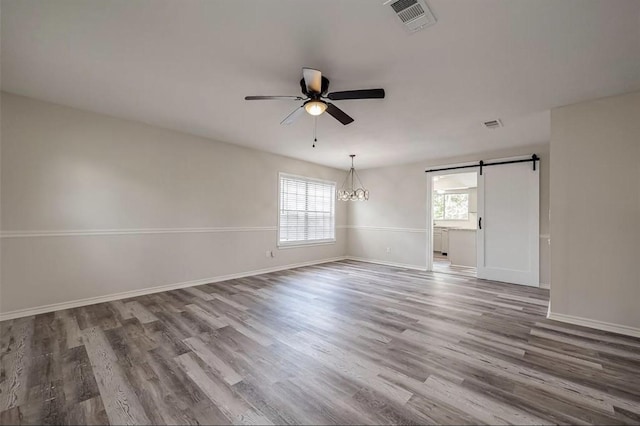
[
  {"x": 386, "y": 228},
  {"x": 308, "y": 243},
  {"x": 598, "y": 325},
  {"x": 132, "y": 231},
  {"x": 546, "y": 286},
  {"x": 430, "y": 222},
  {"x": 397, "y": 229},
  {"x": 429, "y": 208},
  {"x": 381, "y": 262},
  {"x": 157, "y": 289},
  {"x": 143, "y": 231}
]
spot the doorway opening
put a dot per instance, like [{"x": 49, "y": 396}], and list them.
[
  {"x": 501, "y": 214},
  {"x": 454, "y": 215}
]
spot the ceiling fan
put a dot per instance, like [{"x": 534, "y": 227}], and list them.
[{"x": 315, "y": 87}]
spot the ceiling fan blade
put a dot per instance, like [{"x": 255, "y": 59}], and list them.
[
  {"x": 338, "y": 114},
  {"x": 273, "y": 98},
  {"x": 293, "y": 116},
  {"x": 313, "y": 80},
  {"x": 357, "y": 94}
]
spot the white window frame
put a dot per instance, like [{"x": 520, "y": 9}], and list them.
[
  {"x": 299, "y": 243},
  {"x": 444, "y": 212}
]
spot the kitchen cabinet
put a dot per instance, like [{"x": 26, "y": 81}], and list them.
[
  {"x": 462, "y": 244},
  {"x": 437, "y": 239},
  {"x": 444, "y": 247},
  {"x": 440, "y": 240}
]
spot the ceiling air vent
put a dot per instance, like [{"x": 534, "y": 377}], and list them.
[
  {"x": 414, "y": 14},
  {"x": 493, "y": 124}
]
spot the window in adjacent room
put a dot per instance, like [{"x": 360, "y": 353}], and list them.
[
  {"x": 451, "y": 206},
  {"x": 307, "y": 211}
]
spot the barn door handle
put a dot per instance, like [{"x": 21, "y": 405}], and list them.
[{"x": 480, "y": 223}]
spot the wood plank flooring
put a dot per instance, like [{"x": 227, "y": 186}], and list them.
[
  {"x": 443, "y": 264},
  {"x": 338, "y": 343}
]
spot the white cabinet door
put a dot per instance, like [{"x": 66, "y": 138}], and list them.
[
  {"x": 508, "y": 221},
  {"x": 462, "y": 247},
  {"x": 437, "y": 240}
]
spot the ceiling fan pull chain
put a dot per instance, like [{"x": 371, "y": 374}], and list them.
[{"x": 315, "y": 131}]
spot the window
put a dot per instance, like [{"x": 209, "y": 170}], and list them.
[
  {"x": 307, "y": 211},
  {"x": 451, "y": 206}
]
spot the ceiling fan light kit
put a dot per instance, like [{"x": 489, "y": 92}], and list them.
[
  {"x": 315, "y": 107},
  {"x": 349, "y": 192}
]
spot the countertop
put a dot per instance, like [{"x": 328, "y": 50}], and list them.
[{"x": 452, "y": 228}]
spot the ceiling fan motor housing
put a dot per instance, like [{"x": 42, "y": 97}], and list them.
[{"x": 325, "y": 88}]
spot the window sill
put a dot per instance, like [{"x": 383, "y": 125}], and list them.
[{"x": 296, "y": 244}]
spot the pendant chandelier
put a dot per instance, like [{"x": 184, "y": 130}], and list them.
[{"x": 349, "y": 192}]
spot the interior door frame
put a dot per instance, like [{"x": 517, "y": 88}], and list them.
[{"x": 430, "y": 176}]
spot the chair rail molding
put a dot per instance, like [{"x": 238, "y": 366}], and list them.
[{"x": 132, "y": 231}]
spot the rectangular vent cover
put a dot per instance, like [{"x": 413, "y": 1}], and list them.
[
  {"x": 414, "y": 14},
  {"x": 493, "y": 124}
]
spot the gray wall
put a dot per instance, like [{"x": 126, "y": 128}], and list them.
[
  {"x": 396, "y": 214},
  {"x": 93, "y": 205},
  {"x": 595, "y": 208}
]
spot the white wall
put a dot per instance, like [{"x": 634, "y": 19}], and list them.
[
  {"x": 595, "y": 205},
  {"x": 93, "y": 205},
  {"x": 395, "y": 216}
]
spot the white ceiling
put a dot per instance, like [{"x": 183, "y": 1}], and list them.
[
  {"x": 187, "y": 65},
  {"x": 455, "y": 181}
]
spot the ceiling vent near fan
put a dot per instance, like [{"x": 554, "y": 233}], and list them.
[
  {"x": 414, "y": 14},
  {"x": 493, "y": 124}
]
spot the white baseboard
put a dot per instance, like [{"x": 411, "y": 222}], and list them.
[
  {"x": 598, "y": 325},
  {"x": 381, "y": 262},
  {"x": 134, "y": 293}
]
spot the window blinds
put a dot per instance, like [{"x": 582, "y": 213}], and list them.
[{"x": 307, "y": 210}]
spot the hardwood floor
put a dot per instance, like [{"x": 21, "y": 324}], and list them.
[
  {"x": 344, "y": 342},
  {"x": 443, "y": 264}
]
